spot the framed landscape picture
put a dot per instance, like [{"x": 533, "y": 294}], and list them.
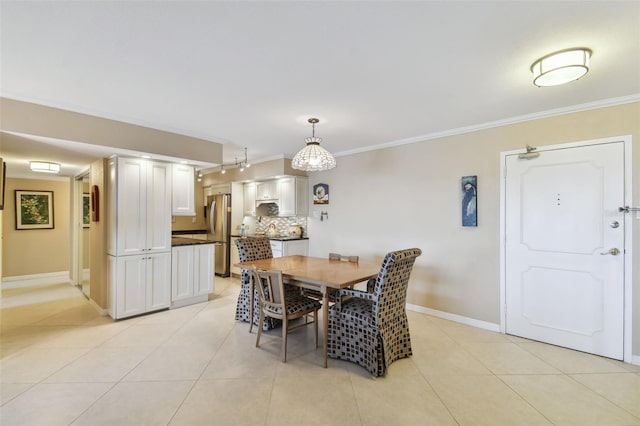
[
  {"x": 86, "y": 210},
  {"x": 34, "y": 209}
]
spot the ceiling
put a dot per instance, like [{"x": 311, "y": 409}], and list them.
[{"x": 250, "y": 74}]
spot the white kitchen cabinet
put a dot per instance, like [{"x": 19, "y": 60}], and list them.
[
  {"x": 183, "y": 190},
  {"x": 223, "y": 188},
  {"x": 267, "y": 190},
  {"x": 139, "y": 236},
  {"x": 235, "y": 257},
  {"x": 289, "y": 248},
  {"x": 294, "y": 196},
  {"x": 250, "y": 199},
  {"x": 192, "y": 274},
  {"x": 139, "y": 203},
  {"x": 138, "y": 284}
]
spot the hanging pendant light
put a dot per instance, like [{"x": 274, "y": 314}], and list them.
[{"x": 313, "y": 157}]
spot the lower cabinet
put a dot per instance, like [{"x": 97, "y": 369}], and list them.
[
  {"x": 289, "y": 248},
  {"x": 192, "y": 274},
  {"x": 138, "y": 284},
  {"x": 235, "y": 257}
]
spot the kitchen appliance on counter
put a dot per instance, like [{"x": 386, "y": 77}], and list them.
[{"x": 219, "y": 230}]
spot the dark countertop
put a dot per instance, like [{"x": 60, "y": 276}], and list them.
[
  {"x": 181, "y": 241},
  {"x": 191, "y": 231},
  {"x": 276, "y": 238}
]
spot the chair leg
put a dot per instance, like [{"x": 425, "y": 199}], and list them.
[
  {"x": 285, "y": 333},
  {"x": 315, "y": 325},
  {"x": 259, "y": 328}
]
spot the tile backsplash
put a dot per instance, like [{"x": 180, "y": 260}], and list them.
[{"x": 253, "y": 225}]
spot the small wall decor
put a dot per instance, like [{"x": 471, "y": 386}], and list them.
[
  {"x": 469, "y": 185},
  {"x": 34, "y": 209},
  {"x": 3, "y": 178},
  {"x": 86, "y": 209},
  {"x": 321, "y": 193}
]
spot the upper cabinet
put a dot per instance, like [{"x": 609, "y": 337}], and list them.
[
  {"x": 183, "y": 194},
  {"x": 268, "y": 190},
  {"x": 290, "y": 193},
  {"x": 139, "y": 203},
  {"x": 294, "y": 195},
  {"x": 250, "y": 199}
]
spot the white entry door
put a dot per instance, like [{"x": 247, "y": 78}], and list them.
[{"x": 564, "y": 249}]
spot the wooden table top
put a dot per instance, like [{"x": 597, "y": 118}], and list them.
[{"x": 318, "y": 271}]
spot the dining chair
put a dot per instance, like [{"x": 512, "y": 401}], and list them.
[
  {"x": 371, "y": 329},
  {"x": 247, "y": 308},
  {"x": 276, "y": 302}
]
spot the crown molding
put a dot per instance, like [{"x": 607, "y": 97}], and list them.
[{"x": 499, "y": 123}]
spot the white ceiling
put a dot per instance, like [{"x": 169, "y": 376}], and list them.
[{"x": 249, "y": 74}]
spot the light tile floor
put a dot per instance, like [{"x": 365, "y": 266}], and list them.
[{"x": 63, "y": 364}]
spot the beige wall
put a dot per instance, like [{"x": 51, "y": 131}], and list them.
[
  {"x": 408, "y": 196},
  {"x": 36, "y": 251},
  {"x": 98, "y": 236}
]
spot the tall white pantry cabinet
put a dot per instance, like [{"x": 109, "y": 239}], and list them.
[{"x": 139, "y": 236}]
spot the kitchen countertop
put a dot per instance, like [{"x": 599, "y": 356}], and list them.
[
  {"x": 189, "y": 231},
  {"x": 281, "y": 238},
  {"x": 181, "y": 241}
]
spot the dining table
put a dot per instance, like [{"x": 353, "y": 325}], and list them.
[{"x": 322, "y": 274}]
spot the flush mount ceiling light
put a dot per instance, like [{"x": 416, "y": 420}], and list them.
[
  {"x": 44, "y": 167},
  {"x": 313, "y": 157},
  {"x": 561, "y": 67}
]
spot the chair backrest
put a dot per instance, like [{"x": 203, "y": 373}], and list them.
[
  {"x": 390, "y": 292},
  {"x": 272, "y": 289},
  {"x": 254, "y": 248},
  {"x": 337, "y": 256}
]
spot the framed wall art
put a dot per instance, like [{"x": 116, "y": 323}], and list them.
[
  {"x": 321, "y": 193},
  {"x": 3, "y": 177},
  {"x": 86, "y": 209},
  {"x": 469, "y": 188},
  {"x": 34, "y": 209}
]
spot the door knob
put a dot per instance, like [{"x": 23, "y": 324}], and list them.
[{"x": 613, "y": 251}]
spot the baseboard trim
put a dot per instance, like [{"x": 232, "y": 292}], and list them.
[
  {"x": 456, "y": 318},
  {"x": 103, "y": 312},
  {"x": 635, "y": 359},
  {"x": 48, "y": 278}
]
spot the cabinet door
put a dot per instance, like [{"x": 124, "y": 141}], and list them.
[
  {"x": 130, "y": 286},
  {"x": 158, "y": 211},
  {"x": 183, "y": 198},
  {"x": 290, "y": 248},
  {"x": 287, "y": 202},
  {"x": 158, "y": 281},
  {"x": 203, "y": 274},
  {"x": 182, "y": 268},
  {"x": 250, "y": 199},
  {"x": 276, "y": 248},
  {"x": 235, "y": 257},
  {"x": 131, "y": 219},
  {"x": 268, "y": 190},
  {"x": 302, "y": 196}
]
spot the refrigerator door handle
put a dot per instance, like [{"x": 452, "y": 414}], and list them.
[{"x": 212, "y": 217}]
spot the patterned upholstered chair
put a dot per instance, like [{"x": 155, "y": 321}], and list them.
[
  {"x": 252, "y": 248},
  {"x": 276, "y": 302},
  {"x": 371, "y": 329}
]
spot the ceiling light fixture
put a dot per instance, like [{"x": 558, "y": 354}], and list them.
[
  {"x": 313, "y": 157},
  {"x": 44, "y": 167},
  {"x": 561, "y": 67},
  {"x": 242, "y": 164}
]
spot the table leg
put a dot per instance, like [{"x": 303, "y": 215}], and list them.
[{"x": 325, "y": 323}]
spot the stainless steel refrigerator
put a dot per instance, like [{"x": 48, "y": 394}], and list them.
[{"x": 219, "y": 230}]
